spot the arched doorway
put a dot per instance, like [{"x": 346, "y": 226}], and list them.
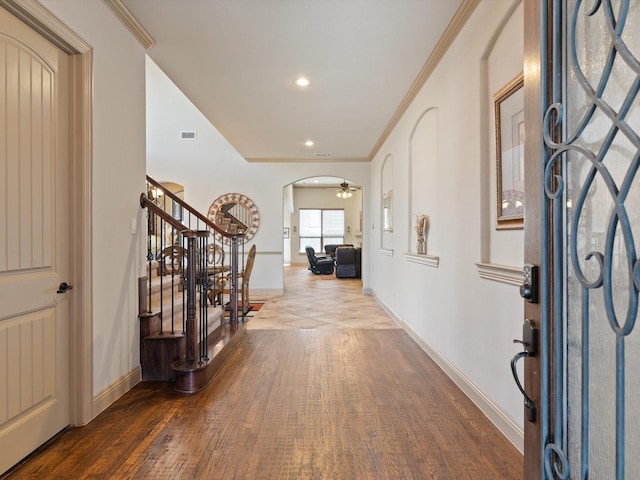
[{"x": 315, "y": 197}]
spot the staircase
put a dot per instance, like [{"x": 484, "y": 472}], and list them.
[
  {"x": 162, "y": 332},
  {"x": 184, "y": 339}
]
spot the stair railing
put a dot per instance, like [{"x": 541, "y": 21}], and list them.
[{"x": 190, "y": 249}]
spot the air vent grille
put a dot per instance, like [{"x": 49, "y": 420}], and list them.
[{"x": 188, "y": 135}]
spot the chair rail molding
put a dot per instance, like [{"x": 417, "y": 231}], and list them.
[
  {"x": 500, "y": 273},
  {"x": 385, "y": 251},
  {"x": 428, "y": 260}
]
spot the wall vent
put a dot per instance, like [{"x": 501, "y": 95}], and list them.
[
  {"x": 190, "y": 135},
  {"x": 323, "y": 154}
]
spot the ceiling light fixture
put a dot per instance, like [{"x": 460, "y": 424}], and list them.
[
  {"x": 309, "y": 143},
  {"x": 302, "y": 82},
  {"x": 344, "y": 191}
]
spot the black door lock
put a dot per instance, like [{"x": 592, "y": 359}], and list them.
[{"x": 529, "y": 287}]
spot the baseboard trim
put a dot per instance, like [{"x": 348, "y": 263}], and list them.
[
  {"x": 112, "y": 393},
  {"x": 503, "y": 422},
  {"x": 266, "y": 292}
]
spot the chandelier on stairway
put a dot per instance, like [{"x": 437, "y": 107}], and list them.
[{"x": 344, "y": 191}]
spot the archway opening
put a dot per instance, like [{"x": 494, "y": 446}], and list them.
[{"x": 319, "y": 211}]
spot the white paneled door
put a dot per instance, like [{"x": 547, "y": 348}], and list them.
[{"x": 34, "y": 241}]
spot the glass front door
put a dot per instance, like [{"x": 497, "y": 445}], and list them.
[{"x": 590, "y": 385}]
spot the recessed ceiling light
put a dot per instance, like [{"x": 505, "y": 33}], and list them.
[
  {"x": 309, "y": 143},
  {"x": 302, "y": 82}
]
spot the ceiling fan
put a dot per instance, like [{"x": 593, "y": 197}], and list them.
[{"x": 345, "y": 191}]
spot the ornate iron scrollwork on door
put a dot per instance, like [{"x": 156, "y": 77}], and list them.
[{"x": 591, "y": 131}]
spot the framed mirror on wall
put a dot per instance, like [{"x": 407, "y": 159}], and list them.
[
  {"x": 387, "y": 211},
  {"x": 510, "y": 131},
  {"x": 234, "y": 211}
]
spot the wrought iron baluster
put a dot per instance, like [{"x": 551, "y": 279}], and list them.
[
  {"x": 150, "y": 257},
  {"x": 203, "y": 286}
]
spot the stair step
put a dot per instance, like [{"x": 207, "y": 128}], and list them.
[
  {"x": 166, "y": 283},
  {"x": 165, "y": 336},
  {"x": 193, "y": 378},
  {"x": 150, "y": 322},
  {"x": 157, "y": 355},
  {"x": 155, "y": 270},
  {"x": 159, "y": 351},
  {"x": 214, "y": 318}
]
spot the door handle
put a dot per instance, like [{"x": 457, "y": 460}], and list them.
[
  {"x": 64, "y": 287},
  {"x": 528, "y": 403},
  {"x": 530, "y": 344}
]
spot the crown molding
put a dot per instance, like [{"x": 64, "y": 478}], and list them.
[
  {"x": 304, "y": 160},
  {"x": 132, "y": 24},
  {"x": 451, "y": 32}
]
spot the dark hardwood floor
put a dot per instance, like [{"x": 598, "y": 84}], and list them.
[{"x": 324, "y": 401}]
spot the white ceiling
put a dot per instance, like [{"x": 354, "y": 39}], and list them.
[{"x": 236, "y": 60}]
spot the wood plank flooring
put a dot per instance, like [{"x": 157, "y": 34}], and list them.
[{"x": 307, "y": 395}]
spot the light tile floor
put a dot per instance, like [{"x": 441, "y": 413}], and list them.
[{"x": 319, "y": 301}]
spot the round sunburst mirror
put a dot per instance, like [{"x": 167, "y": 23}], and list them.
[{"x": 235, "y": 212}]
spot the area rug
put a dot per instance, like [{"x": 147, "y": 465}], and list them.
[{"x": 253, "y": 307}]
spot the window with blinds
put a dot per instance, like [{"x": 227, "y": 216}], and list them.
[{"x": 320, "y": 227}]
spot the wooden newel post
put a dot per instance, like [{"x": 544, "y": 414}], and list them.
[
  {"x": 190, "y": 330},
  {"x": 233, "y": 290}
]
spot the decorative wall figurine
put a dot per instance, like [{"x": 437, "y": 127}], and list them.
[{"x": 422, "y": 230}]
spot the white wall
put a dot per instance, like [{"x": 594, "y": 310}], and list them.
[
  {"x": 210, "y": 166},
  {"x": 287, "y": 209},
  {"x": 467, "y": 322},
  {"x": 118, "y": 179}
]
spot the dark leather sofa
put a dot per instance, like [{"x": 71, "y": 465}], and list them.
[
  {"x": 331, "y": 248},
  {"x": 348, "y": 262}
]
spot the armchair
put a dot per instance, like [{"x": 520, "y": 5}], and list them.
[
  {"x": 319, "y": 266},
  {"x": 221, "y": 282},
  {"x": 348, "y": 260},
  {"x": 172, "y": 260}
]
